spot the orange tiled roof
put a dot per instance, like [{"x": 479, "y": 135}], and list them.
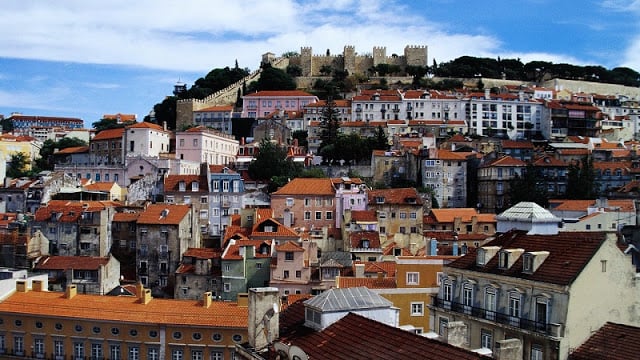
[
  {"x": 626, "y": 205},
  {"x": 109, "y": 134},
  {"x": 395, "y": 196},
  {"x": 452, "y": 155},
  {"x": 125, "y": 217},
  {"x": 289, "y": 246},
  {"x": 611, "y": 341},
  {"x": 369, "y": 282},
  {"x": 172, "y": 183},
  {"x": 73, "y": 150},
  {"x": 390, "y": 249},
  {"x": 512, "y": 144},
  {"x": 356, "y": 238},
  {"x": 152, "y": 215},
  {"x": 127, "y": 309},
  {"x": 465, "y": 214},
  {"x": 203, "y": 253},
  {"x": 99, "y": 186},
  {"x": 70, "y": 211},
  {"x": 146, "y": 125},
  {"x": 233, "y": 251},
  {"x": 307, "y": 186},
  {"x": 505, "y": 161},
  {"x": 364, "y": 216},
  {"x": 71, "y": 262}
]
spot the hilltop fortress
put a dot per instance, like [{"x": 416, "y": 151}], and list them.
[{"x": 310, "y": 64}]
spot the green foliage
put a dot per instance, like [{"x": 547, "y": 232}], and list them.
[
  {"x": 379, "y": 141},
  {"x": 17, "y": 165},
  {"x": 581, "y": 180},
  {"x": 271, "y": 164},
  {"x": 104, "y": 124},
  {"x": 290, "y": 54},
  {"x": 45, "y": 162},
  {"x": 530, "y": 187},
  {"x": 165, "y": 112},
  {"x": 7, "y": 125},
  {"x": 215, "y": 80},
  {"x": 272, "y": 79},
  {"x": 294, "y": 70},
  {"x": 326, "y": 70},
  {"x": 329, "y": 126},
  {"x": 313, "y": 172}
]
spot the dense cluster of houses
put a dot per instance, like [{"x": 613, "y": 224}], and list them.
[{"x": 157, "y": 218}]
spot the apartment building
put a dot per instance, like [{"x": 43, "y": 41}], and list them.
[
  {"x": 202, "y": 145},
  {"x": 494, "y": 178},
  {"x": 40, "y": 324},
  {"x": 263, "y": 103},
  {"x": 199, "y": 272}
]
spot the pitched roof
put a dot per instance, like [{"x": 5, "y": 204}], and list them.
[
  {"x": 368, "y": 282},
  {"x": 71, "y": 262},
  {"x": 125, "y": 216},
  {"x": 569, "y": 253},
  {"x": 611, "y": 342},
  {"x": 364, "y": 216},
  {"x": 626, "y": 205},
  {"x": 146, "y": 125},
  {"x": 513, "y": 144},
  {"x": 99, "y": 186},
  {"x": 347, "y": 299},
  {"x": 396, "y": 196},
  {"x": 155, "y": 214},
  {"x": 69, "y": 210},
  {"x": 505, "y": 161},
  {"x": 172, "y": 183},
  {"x": 203, "y": 253},
  {"x": 527, "y": 211},
  {"x": 73, "y": 150},
  {"x": 126, "y": 309},
  {"x": 109, "y": 134},
  {"x": 290, "y": 246},
  {"x": 233, "y": 250},
  {"x": 357, "y": 237},
  {"x": 307, "y": 186},
  {"x": 374, "y": 340}
]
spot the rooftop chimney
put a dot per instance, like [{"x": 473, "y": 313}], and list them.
[
  {"x": 359, "y": 270},
  {"x": 37, "y": 285},
  {"x": 145, "y": 297},
  {"x": 264, "y": 306},
  {"x": 21, "y": 286},
  {"x": 71, "y": 291},
  {"x": 508, "y": 349},
  {"x": 206, "y": 299}
]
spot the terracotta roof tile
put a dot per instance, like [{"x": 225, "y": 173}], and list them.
[
  {"x": 146, "y": 125},
  {"x": 109, "y": 134},
  {"x": 125, "y": 217},
  {"x": 368, "y": 282},
  {"x": 99, "y": 186},
  {"x": 71, "y": 262},
  {"x": 512, "y": 144},
  {"x": 611, "y": 342},
  {"x": 153, "y": 214},
  {"x": 172, "y": 183},
  {"x": 73, "y": 150},
  {"x": 465, "y": 214},
  {"x": 289, "y": 246},
  {"x": 364, "y": 216},
  {"x": 356, "y": 239},
  {"x": 505, "y": 161},
  {"x": 203, "y": 253},
  {"x": 396, "y": 196},
  {"x": 233, "y": 250},
  {"x": 127, "y": 309},
  {"x": 307, "y": 186},
  {"x": 569, "y": 252}
]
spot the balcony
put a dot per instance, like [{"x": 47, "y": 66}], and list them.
[{"x": 498, "y": 317}]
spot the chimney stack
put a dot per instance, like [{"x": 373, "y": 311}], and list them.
[
  {"x": 21, "y": 286},
  {"x": 508, "y": 349},
  {"x": 71, "y": 291},
  {"x": 37, "y": 285},
  {"x": 145, "y": 297},
  {"x": 206, "y": 299}
]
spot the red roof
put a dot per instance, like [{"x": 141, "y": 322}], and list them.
[
  {"x": 368, "y": 282},
  {"x": 374, "y": 340},
  {"x": 73, "y": 150},
  {"x": 109, "y": 134},
  {"x": 146, "y": 125},
  {"x": 155, "y": 214},
  {"x": 396, "y": 196},
  {"x": 307, "y": 186},
  {"x": 172, "y": 183},
  {"x": 569, "y": 253},
  {"x": 364, "y": 216},
  {"x": 611, "y": 342},
  {"x": 356, "y": 239},
  {"x": 71, "y": 262}
]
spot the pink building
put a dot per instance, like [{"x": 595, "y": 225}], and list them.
[
  {"x": 291, "y": 273},
  {"x": 200, "y": 145},
  {"x": 306, "y": 202},
  {"x": 263, "y": 103}
]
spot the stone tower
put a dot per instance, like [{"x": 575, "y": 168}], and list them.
[
  {"x": 416, "y": 55},
  {"x": 379, "y": 55},
  {"x": 306, "y": 60},
  {"x": 349, "y": 57}
]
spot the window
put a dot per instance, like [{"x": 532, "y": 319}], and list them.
[
  {"x": 329, "y": 215},
  {"x": 603, "y": 265},
  {"x": 226, "y": 287},
  {"x": 442, "y": 325},
  {"x": 527, "y": 263},
  {"x": 217, "y": 355},
  {"x": 467, "y": 297},
  {"x": 196, "y": 354},
  {"x": 514, "y": 308},
  {"x": 286, "y": 274},
  {"x": 307, "y": 202},
  {"x": 78, "y": 350},
  {"x": 417, "y": 309},
  {"x": 153, "y": 354},
  {"x": 237, "y": 337},
  {"x": 176, "y": 354},
  {"x": 307, "y": 215},
  {"x": 447, "y": 291},
  {"x": 403, "y": 215},
  {"x": 486, "y": 339},
  {"x": 413, "y": 215},
  {"x": 298, "y": 274},
  {"x": 38, "y": 346},
  {"x": 58, "y": 348},
  {"x": 177, "y": 335},
  {"x": 18, "y": 344},
  {"x": 288, "y": 256},
  {"x": 503, "y": 260},
  {"x": 318, "y": 215},
  {"x": 115, "y": 331},
  {"x": 413, "y": 278},
  {"x": 96, "y": 351},
  {"x": 217, "y": 337},
  {"x": 490, "y": 303},
  {"x": 536, "y": 352},
  {"x": 289, "y": 201}
]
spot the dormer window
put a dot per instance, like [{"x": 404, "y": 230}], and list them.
[
  {"x": 411, "y": 200},
  {"x": 503, "y": 260},
  {"x": 379, "y": 199},
  {"x": 182, "y": 186},
  {"x": 527, "y": 263},
  {"x": 480, "y": 259},
  {"x": 194, "y": 186},
  {"x": 365, "y": 244}
]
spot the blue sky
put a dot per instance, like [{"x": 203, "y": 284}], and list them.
[{"x": 84, "y": 59}]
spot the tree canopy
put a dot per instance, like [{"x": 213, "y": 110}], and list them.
[
  {"x": 273, "y": 79},
  {"x": 528, "y": 187},
  {"x": 17, "y": 165},
  {"x": 581, "y": 180},
  {"x": 272, "y": 165}
]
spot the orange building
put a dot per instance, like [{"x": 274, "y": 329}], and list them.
[{"x": 42, "y": 324}]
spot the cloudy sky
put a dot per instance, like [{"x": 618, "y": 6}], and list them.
[{"x": 84, "y": 59}]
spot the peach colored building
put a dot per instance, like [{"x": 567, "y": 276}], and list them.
[
  {"x": 305, "y": 203},
  {"x": 291, "y": 270},
  {"x": 262, "y": 103}
]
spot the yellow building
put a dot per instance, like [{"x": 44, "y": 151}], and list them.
[
  {"x": 42, "y": 324},
  {"x": 10, "y": 145}
]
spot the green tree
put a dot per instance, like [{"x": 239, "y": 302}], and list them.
[
  {"x": 45, "y": 161},
  {"x": 326, "y": 70},
  {"x": 379, "y": 141},
  {"x": 294, "y": 70},
  {"x": 272, "y": 165},
  {"x": 301, "y": 136},
  {"x": 17, "y": 165},
  {"x": 581, "y": 180},
  {"x": 273, "y": 79},
  {"x": 165, "y": 112},
  {"x": 329, "y": 125}
]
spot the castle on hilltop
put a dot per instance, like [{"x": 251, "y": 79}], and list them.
[{"x": 351, "y": 61}]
